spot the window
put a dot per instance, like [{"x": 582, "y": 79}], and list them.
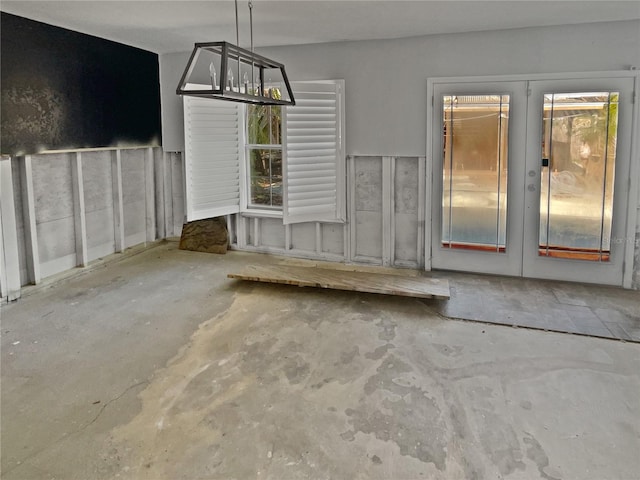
[
  {"x": 264, "y": 155},
  {"x": 249, "y": 157}
]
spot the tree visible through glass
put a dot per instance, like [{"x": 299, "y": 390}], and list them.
[{"x": 264, "y": 148}]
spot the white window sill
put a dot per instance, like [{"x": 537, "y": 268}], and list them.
[{"x": 262, "y": 213}]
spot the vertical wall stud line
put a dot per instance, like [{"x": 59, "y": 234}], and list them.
[
  {"x": 318, "y": 241},
  {"x": 80, "y": 220},
  {"x": 450, "y": 134},
  {"x": 422, "y": 180},
  {"x": 183, "y": 169},
  {"x": 231, "y": 229},
  {"x": 425, "y": 176},
  {"x": 4, "y": 287},
  {"x": 633, "y": 199},
  {"x": 346, "y": 226},
  {"x": 241, "y": 234},
  {"x": 149, "y": 197},
  {"x": 9, "y": 253},
  {"x": 166, "y": 193},
  {"x": 287, "y": 237},
  {"x": 346, "y": 243},
  {"x": 392, "y": 211},
  {"x": 118, "y": 204},
  {"x": 29, "y": 219},
  {"x": 353, "y": 227},
  {"x": 158, "y": 187},
  {"x": 386, "y": 211},
  {"x": 227, "y": 221},
  {"x": 256, "y": 232},
  {"x": 170, "y": 215}
]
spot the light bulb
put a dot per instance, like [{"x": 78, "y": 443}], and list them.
[
  {"x": 212, "y": 75},
  {"x": 230, "y": 77}
]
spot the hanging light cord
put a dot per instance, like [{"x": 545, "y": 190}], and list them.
[
  {"x": 238, "y": 43},
  {"x": 237, "y": 29},
  {"x": 253, "y": 78},
  {"x": 251, "y": 23}
]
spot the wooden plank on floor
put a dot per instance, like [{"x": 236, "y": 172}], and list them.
[{"x": 422, "y": 287}]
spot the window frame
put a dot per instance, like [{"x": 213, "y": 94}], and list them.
[
  {"x": 248, "y": 207},
  {"x": 216, "y": 137}
]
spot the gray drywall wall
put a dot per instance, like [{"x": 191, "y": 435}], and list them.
[
  {"x": 133, "y": 193},
  {"x": 368, "y": 209},
  {"x": 385, "y": 80},
  {"x": 406, "y": 197},
  {"x": 332, "y": 238},
  {"x": 271, "y": 232},
  {"x": 53, "y": 194},
  {"x": 177, "y": 189},
  {"x": 17, "y": 199},
  {"x": 374, "y": 215},
  {"x": 149, "y": 206},
  {"x": 98, "y": 203}
]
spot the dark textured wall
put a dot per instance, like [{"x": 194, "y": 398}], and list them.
[{"x": 63, "y": 89}]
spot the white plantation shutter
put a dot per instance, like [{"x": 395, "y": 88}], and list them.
[
  {"x": 313, "y": 135},
  {"x": 213, "y": 170}
]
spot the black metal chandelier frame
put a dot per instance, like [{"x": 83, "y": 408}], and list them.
[{"x": 258, "y": 92}]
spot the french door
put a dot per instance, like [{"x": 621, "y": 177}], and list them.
[{"x": 531, "y": 178}]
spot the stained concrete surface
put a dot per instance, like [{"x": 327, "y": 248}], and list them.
[
  {"x": 582, "y": 309},
  {"x": 158, "y": 367}
]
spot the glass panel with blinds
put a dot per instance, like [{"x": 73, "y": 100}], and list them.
[
  {"x": 474, "y": 183},
  {"x": 578, "y": 158}
]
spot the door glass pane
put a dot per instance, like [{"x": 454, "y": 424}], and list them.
[
  {"x": 474, "y": 188},
  {"x": 578, "y": 167}
]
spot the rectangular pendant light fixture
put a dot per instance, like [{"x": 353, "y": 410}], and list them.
[{"x": 224, "y": 71}]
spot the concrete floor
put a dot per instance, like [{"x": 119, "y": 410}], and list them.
[
  {"x": 158, "y": 367},
  {"x": 576, "y": 308}
]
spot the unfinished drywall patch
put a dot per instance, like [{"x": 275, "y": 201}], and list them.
[
  {"x": 52, "y": 184},
  {"x": 368, "y": 208},
  {"x": 333, "y": 238},
  {"x": 98, "y": 201},
  {"x": 133, "y": 192},
  {"x": 77, "y": 196},
  {"x": 17, "y": 200},
  {"x": 406, "y": 198},
  {"x": 303, "y": 236},
  {"x": 271, "y": 232}
]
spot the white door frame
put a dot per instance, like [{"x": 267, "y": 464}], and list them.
[
  {"x": 510, "y": 261},
  {"x": 633, "y": 199}
]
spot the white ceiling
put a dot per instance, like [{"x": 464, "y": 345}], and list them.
[{"x": 170, "y": 26}]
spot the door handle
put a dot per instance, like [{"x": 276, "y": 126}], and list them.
[{"x": 545, "y": 162}]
